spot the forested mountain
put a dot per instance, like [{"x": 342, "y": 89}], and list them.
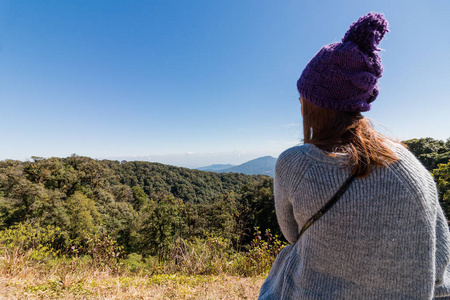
[
  {"x": 144, "y": 206},
  {"x": 189, "y": 185},
  {"x": 216, "y": 167},
  {"x": 259, "y": 166},
  {"x": 263, "y": 165}
]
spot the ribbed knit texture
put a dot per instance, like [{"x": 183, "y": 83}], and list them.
[
  {"x": 343, "y": 76},
  {"x": 386, "y": 238}
]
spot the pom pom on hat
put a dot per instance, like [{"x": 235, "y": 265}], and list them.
[
  {"x": 367, "y": 32},
  {"x": 343, "y": 76}
]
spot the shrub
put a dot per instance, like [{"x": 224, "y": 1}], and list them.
[
  {"x": 134, "y": 262},
  {"x": 23, "y": 246},
  {"x": 101, "y": 247},
  {"x": 201, "y": 256},
  {"x": 43, "y": 241},
  {"x": 260, "y": 256}
]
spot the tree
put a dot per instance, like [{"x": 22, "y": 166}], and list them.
[
  {"x": 84, "y": 216},
  {"x": 140, "y": 197},
  {"x": 257, "y": 209},
  {"x": 429, "y": 151},
  {"x": 442, "y": 176},
  {"x": 161, "y": 223}
]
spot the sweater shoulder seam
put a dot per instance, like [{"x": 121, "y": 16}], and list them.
[{"x": 416, "y": 196}]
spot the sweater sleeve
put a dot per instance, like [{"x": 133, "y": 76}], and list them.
[
  {"x": 442, "y": 288},
  {"x": 283, "y": 199}
]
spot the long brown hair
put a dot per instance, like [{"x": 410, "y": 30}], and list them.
[{"x": 346, "y": 132}]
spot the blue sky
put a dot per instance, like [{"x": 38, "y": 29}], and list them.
[{"x": 192, "y": 83}]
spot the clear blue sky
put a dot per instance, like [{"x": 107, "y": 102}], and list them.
[{"x": 197, "y": 82}]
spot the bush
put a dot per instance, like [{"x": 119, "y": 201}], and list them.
[
  {"x": 215, "y": 255},
  {"x": 22, "y": 246},
  {"x": 260, "y": 256},
  {"x": 42, "y": 241},
  {"x": 201, "y": 256},
  {"x": 134, "y": 262},
  {"x": 101, "y": 247}
]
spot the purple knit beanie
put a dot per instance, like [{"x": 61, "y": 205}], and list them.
[{"x": 343, "y": 76}]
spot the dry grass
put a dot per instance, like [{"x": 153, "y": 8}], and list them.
[
  {"x": 22, "y": 278},
  {"x": 195, "y": 271},
  {"x": 106, "y": 286}
]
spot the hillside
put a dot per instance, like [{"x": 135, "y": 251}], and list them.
[
  {"x": 189, "y": 185},
  {"x": 216, "y": 167},
  {"x": 260, "y": 166},
  {"x": 263, "y": 166},
  {"x": 144, "y": 206}
]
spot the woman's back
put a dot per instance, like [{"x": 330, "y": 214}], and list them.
[
  {"x": 387, "y": 236},
  {"x": 377, "y": 242}
]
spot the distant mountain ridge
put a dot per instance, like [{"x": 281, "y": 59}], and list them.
[
  {"x": 260, "y": 166},
  {"x": 216, "y": 167}
]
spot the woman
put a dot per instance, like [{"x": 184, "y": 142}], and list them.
[{"x": 386, "y": 237}]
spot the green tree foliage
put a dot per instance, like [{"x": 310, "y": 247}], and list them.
[
  {"x": 84, "y": 216},
  {"x": 429, "y": 151},
  {"x": 189, "y": 185},
  {"x": 257, "y": 209},
  {"x": 435, "y": 156},
  {"x": 442, "y": 176},
  {"x": 140, "y": 197},
  {"x": 145, "y": 207},
  {"x": 161, "y": 224}
]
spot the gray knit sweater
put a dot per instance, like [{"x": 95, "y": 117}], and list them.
[{"x": 386, "y": 238}]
